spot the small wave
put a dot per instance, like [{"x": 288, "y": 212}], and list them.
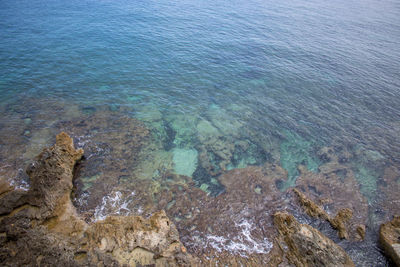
[
  {"x": 243, "y": 244},
  {"x": 113, "y": 204},
  {"x": 19, "y": 183}
]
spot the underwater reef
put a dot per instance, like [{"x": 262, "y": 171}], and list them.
[
  {"x": 252, "y": 223},
  {"x": 216, "y": 182}
]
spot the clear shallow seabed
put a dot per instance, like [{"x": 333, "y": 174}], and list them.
[{"x": 219, "y": 85}]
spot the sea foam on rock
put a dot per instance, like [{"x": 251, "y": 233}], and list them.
[
  {"x": 41, "y": 225},
  {"x": 235, "y": 228}
]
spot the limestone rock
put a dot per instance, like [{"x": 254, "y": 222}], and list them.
[
  {"x": 389, "y": 235},
  {"x": 307, "y": 246},
  {"x": 332, "y": 194},
  {"x": 42, "y": 227},
  {"x": 112, "y": 144},
  {"x": 338, "y": 222}
]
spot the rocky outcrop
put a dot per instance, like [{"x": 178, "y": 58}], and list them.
[
  {"x": 112, "y": 144},
  {"x": 325, "y": 194},
  {"x": 234, "y": 228},
  {"x": 389, "y": 236},
  {"x": 41, "y": 226},
  {"x": 305, "y": 246},
  {"x": 338, "y": 222}
]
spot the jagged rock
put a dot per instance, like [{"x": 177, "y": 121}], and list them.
[
  {"x": 360, "y": 232},
  {"x": 41, "y": 226},
  {"x": 112, "y": 143},
  {"x": 334, "y": 195},
  {"x": 134, "y": 240},
  {"x": 235, "y": 228},
  {"x": 305, "y": 246},
  {"x": 338, "y": 222},
  {"x": 389, "y": 236}
]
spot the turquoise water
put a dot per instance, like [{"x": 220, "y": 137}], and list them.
[{"x": 220, "y": 84}]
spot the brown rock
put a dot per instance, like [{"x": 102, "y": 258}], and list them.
[
  {"x": 334, "y": 194},
  {"x": 112, "y": 144},
  {"x": 41, "y": 226},
  {"x": 389, "y": 236},
  {"x": 338, "y": 222},
  {"x": 307, "y": 246},
  {"x": 361, "y": 232}
]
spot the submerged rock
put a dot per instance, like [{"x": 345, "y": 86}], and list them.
[
  {"x": 389, "y": 192},
  {"x": 306, "y": 246},
  {"x": 185, "y": 161},
  {"x": 235, "y": 228},
  {"x": 389, "y": 236},
  {"x": 41, "y": 226},
  {"x": 294, "y": 151}
]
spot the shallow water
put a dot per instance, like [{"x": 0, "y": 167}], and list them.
[{"x": 220, "y": 85}]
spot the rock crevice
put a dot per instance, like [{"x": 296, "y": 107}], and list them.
[{"x": 42, "y": 226}]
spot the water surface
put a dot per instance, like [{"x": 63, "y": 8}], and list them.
[{"x": 262, "y": 81}]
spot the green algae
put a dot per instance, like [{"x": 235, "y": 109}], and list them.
[
  {"x": 295, "y": 151},
  {"x": 154, "y": 163},
  {"x": 185, "y": 161}
]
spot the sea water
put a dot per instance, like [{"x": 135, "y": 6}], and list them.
[{"x": 220, "y": 84}]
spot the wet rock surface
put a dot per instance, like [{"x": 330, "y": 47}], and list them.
[
  {"x": 389, "y": 236},
  {"x": 306, "y": 246},
  {"x": 236, "y": 227},
  {"x": 333, "y": 198},
  {"x": 112, "y": 145},
  {"x": 338, "y": 222},
  {"x": 41, "y": 226}
]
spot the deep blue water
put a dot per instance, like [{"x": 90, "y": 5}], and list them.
[
  {"x": 323, "y": 72},
  {"x": 325, "y": 68}
]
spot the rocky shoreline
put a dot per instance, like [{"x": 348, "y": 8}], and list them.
[{"x": 41, "y": 226}]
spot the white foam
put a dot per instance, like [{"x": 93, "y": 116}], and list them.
[
  {"x": 243, "y": 244},
  {"x": 83, "y": 200},
  {"x": 113, "y": 204},
  {"x": 83, "y": 140},
  {"x": 19, "y": 184}
]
